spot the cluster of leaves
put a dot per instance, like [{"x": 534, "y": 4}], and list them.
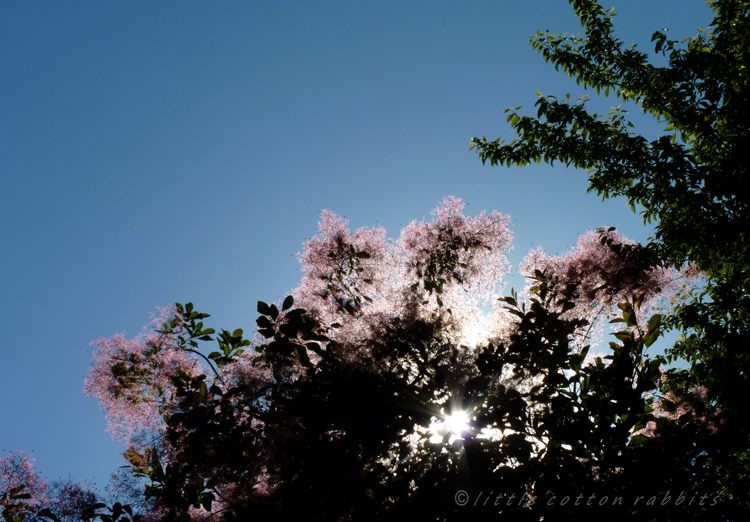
[
  {"x": 292, "y": 335},
  {"x": 689, "y": 181},
  {"x": 341, "y": 439}
]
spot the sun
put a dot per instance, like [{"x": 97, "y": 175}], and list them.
[
  {"x": 457, "y": 422},
  {"x": 452, "y": 425}
]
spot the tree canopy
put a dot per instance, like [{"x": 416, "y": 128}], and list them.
[
  {"x": 689, "y": 181},
  {"x": 384, "y": 388}
]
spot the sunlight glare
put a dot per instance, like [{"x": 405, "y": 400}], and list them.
[
  {"x": 457, "y": 423},
  {"x": 453, "y": 425}
]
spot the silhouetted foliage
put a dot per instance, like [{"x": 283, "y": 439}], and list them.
[{"x": 690, "y": 181}]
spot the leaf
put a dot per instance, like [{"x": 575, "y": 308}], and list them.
[
  {"x": 654, "y": 322},
  {"x": 304, "y": 359},
  {"x": 267, "y": 332},
  {"x": 288, "y": 302},
  {"x": 623, "y": 335},
  {"x": 651, "y": 337},
  {"x": 47, "y": 513}
]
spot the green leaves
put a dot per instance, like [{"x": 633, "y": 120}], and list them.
[
  {"x": 271, "y": 310},
  {"x": 263, "y": 308},
  {"x": 189, "y": 332},
  {"x": 688, "y": 181},
  {"x": 654, "y": 330},
  {"x": 117, "y": 510},
  {"x": 293, "y": 334},
  {"x": 230, "y": 345},
  {"x": 192, "y": 331},
  {"x": 628, "y": 315}
]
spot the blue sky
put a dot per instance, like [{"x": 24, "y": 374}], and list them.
[{"x": 182, "y": 151}]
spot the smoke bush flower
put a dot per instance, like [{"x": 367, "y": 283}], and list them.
[
  {"x": 356, "y": 284},
  {"x": 413, "y": 310},
  {"x": 468, "y": 253},
  {"x": 693, "y": 403},
  {"x": 445, "y": 267},
  {"x": 596, "y": 279},
  {"x": 131, "y": 379},
  {"x": 16, "y": 470}
]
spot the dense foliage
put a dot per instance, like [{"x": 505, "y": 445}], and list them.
[
  {"x": 689, "y": 181},
  {"x": 395, "y": 384},
  {"x": 24, "y": 496}
]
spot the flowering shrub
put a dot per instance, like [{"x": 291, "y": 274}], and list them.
[
  {"x": 601, "y": 272},
  {"x": 131, "y": 378},
  {"x": 21, "y": 489},
  {"x": 24, "y": 496},
  {"x": 386, "y": 369}
]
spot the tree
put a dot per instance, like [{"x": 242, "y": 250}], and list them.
[
  {"x": 690, "y": 181},
  {"x": 380, "y": 391},
  {"x": 21, "y": 489},
  {"x": 24, "y": 496}
]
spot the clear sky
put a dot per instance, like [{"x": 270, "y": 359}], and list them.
[{"x": 153, "y": 152}]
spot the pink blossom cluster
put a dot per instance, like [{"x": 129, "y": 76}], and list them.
[
  {"x": 596, "y": 279},
  {"x": 242, "y": 371},
  {"x": 480, "y": 245},
  {"x": 16, "y": 470},
  {"x": 356, "y": 283},
  {"x": 131, "y": 378},
  {"x": 694, "y": 404},
  {"x": 343, "y": 271},
  {"x": 67, "y": 500},
  {"x": 467, "y": 254}
]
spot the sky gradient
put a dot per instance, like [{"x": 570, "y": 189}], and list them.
[{"x": 182, "y": 151}]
